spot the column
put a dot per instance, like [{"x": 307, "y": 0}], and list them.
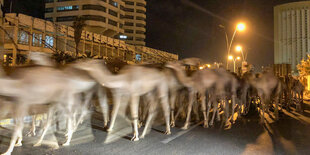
[
  {"x": 294, "y": 39},
  {"x": 303, "y": 34},
  {"x": 283, "y": 52},
  {"x": 288, "y": 59}
]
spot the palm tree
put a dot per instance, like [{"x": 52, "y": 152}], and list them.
[{"x": 78, "y": 25}]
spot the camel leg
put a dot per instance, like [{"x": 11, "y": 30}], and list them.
[
  {"x": 103, "y": 101},
  {"x": 208, "y": 110},
  {"x": 84, "y": 108},
  {"x": 203, "y": 106},
  {"x": 151, "y": 112},
  {"x": 215, "y": 107},
  {"x": 172, "y": 103},
  {"x": 22, "y": 109},
  {"x": 166, "y": 109},
  {"x": 134, "y": 113},
  {"x": 233, "y": 108},
  {"x": 189, "y": 109},
  {"x": 70, "y": 120},
  {"x": 218, "y": 112},
  {"x": 32, "y": 131},
  {"x": 46, "y": 127},
  {"x": 117, "y": 102}
]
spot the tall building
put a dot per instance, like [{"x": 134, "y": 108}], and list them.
[
  {"x": 291, "y": 33},
  {"x": 106, "y": 17},
  {"x": 135, "y": 21}
]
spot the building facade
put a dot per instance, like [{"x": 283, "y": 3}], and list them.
[
  {"x": 291, "y": 33},
  {"x": 25, "y": 33},
  {"x": 120, "y": 19},
  {"x": 135, "y": 21}
]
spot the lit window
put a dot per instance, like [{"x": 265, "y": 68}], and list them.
[
  {"x": 67, "y": 8},
  {"x": 138, "y": 57},
  {"x": 123, "y": 37},
  {"x": 23, "y": 37},
  {"x": 49, "y": 41},
  {"x": 36, "y": 39}
]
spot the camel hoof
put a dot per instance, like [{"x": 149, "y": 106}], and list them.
[
  {"x": 185, "y": 127},
  {"x": 66, "y": 144},
  {"x": 6, "y": 153},
  {"x": 109, "y": 130},
  {"x": 18, "y": 144},
  {"x": 142, "y": 136},
  {"x": 135, "y": 138},
  {"x": 55, "y": 147},
  {"x": 172, "y": 124},
  {"x": 37, "y": 144},
  {"x": 168, "y": 133}
]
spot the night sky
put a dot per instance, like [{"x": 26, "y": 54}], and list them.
[{"x": 190, "y": 27}]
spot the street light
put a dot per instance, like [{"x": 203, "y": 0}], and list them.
[
  {"x": 234, "y": 60},
  {"x": 239, "y": 49},
  {"x": 240, "y": 27}
]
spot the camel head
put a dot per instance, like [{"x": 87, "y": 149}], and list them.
[
  {"x": 88, "y": 64},
  {"x": 192, "y": 61},
  {"x": 174, "y": 65},
  {"x": 40, "y": 58}
]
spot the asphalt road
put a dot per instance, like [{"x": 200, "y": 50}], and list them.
[{"x": 289, "y": 135}]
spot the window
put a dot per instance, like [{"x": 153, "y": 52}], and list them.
[
  {"x": 67, "y": 8},
  {"x": 140, "y": 4},
  {"x": 64, "y": 0},
  {"x": 113, "y": 13},
  {"x": 140, "y": 11},
  {"x": 112, "y": 22},
  {"x": 128, "y": 17},
  {"x": 23, "y": 37},
  {"x": 37, "y": 39},
  {"x": 65, "y": 18},
  {"x": 128, "y": 24},
  {"x": 122, "y": 7},
  {"x": 138, "y": 57},
  {"x": 49, "y": 1},
  {"x": 128, "y": 31},
  {"x": 48, "y": 10},
  {"x": 49, "y": 19},
  {"x": 94, "y": 7},
  {"x": 104, "y": 0},
  {"x": 49, "y": 41},
  {"x": 129, "y": 9},
  {"x": 139, "y": 25},
  {"x": 140, "y": 18},
  {"x": 139, "y": 39},
  {"x": 123, "y": 37},
  {"x": 129, "y": 38},
  {"x": 94, "y": 17},
  {"x": 129, "y": 3},
  {"x": 139, "y": 32},
  {"x": 121, "y": 25},
  {"x": 113, "y": 3}
]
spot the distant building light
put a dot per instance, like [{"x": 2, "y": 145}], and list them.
[
  {"x": 115, "y": 4},
  {"x": 123, "y": 37}
]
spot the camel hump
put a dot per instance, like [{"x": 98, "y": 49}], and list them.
[{"x": 40, "y": 58}]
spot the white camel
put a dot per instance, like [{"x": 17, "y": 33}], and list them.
[
  {"x": 199, "y": 82},
  {"x": 133, "y": 81}
]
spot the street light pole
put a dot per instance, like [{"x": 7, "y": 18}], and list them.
[{"x": 239, "y": 27}]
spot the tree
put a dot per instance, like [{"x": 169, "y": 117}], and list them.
[
  {"x": 78, "y": 25},
  {"x": 304, "y": 71}
]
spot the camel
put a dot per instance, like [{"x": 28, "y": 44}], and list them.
[
  {"x": 132, "y": 82},
  {"x": 267, "y": 86},
  {"x": 199, "y": 82},
  {"x": 50, "y": 85},
  {"x": 297, "y": 91}
]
